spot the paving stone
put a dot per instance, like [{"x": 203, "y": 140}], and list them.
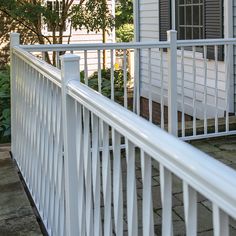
[
  {"x": 228, "y": 147},
  {"x": 206, "y": 147},
  {"x": 204, "y": 217},
  {"x": 200, "y": 197},
  {"x": 16, "y": 214},
  {"x": 226, "y": 155}
]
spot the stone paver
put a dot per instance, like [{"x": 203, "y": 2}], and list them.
[{"x": 16, "y": 215}]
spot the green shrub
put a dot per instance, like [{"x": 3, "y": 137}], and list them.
[
  {"x": 125, "y": 33},
  {"x": 5, "y": 116},
  {"x": 106, "y": 82}
]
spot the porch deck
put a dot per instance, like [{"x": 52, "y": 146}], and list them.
[{"x": 17, "y": 217}]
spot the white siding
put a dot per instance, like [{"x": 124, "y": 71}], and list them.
[
  {"x": 82, "y": 36},
  {"x": 149, "y": 31}
]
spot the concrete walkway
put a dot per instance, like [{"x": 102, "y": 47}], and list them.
[{"x": 16, "y": 215}]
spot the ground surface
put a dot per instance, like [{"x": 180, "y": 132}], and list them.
[{"x": 16, "y": 215}]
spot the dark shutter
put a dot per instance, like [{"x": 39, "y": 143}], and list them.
[
  {"x": 213, "y": 25},
  {"x": 164, "y": 19}
]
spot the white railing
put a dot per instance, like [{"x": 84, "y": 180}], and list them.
[
  {"x": 175, "y": 83},
  {"x": 61, "y": 136}
]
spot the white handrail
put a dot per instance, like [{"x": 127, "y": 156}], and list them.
[
  {"x": 208, "y": 176},
  {"x": 136, "y": 45},
  {"x": 52, "y": 73},
  {"x": 94, "y": 46}
]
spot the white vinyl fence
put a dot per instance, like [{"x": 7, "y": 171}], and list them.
[
  {"x": 194, "y": 94},
  {"x": 66, "y": 140}
]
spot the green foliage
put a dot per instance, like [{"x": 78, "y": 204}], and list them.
[
  {"x": 125, "y": 33},
  {"x": 124, "y": 21},
  {"x": 124, "y": 12},
  {"x": 5, "y": 105},
  {"x": 106, "y": 82},
  {"x": 94, "y": 15}
]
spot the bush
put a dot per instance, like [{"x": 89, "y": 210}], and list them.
[
  {"x": 125, "y": 33},
  {"x": 5, "y": 117},
  {"x": 106, "y": 82}
]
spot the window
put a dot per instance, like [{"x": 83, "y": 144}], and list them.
[
  {"x": 195, "y": 19},
  {"x": 190, "y": 19}
]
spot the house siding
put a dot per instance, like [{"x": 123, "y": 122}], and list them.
[
  {"x": 234, "y": 31},
  {"x": 84, "y": 37},
  {"x": 149, "y": 31}
]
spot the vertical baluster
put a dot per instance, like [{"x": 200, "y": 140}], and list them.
[
  {"x": 106, "y": 179},
  {"x": 166, "y": 199},
  {"x": 150, "y": 83},
  {"x": 117, "y": 184},
  {"x": 112, "y": 75},
  {"x": 46, "y": 152},
  {"x": 96, "y": 175},
  {"x": 33, "y": 131},
  {"x": 148, "y": 228},
  {"x": 88, "y": 173},
  {"x": 227, "y": 85},
  {"x": 80, "y": 168},
  {"x": 190, "y": 209},
  {"x": 51, "y": 158},
  {"x": 35, "y": 138},
  {"x": 162, "y": 89},
  {"x": 57, "y": 59},
  {"x": 44, "y": 56},
  {"x": 194, "y": 91},
  {"x": 216, "y": 88},
  {"x": 86, "y": 67},
  {"x": 99, "y": 73},
  {"x": 136, "y": 103},
  {"x": 182, "y": 90},
  {"x": 131, "y": 190},
  {"x": 220, "y": 222},
  {"x": 205, "y": 89},
  {"x": 125, "y": 79}
]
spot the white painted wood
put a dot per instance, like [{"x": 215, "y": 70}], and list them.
[
  {"x": 150, "y": 84},
  {"x": 190, "y": 209},
  {"x": 99, "y": 73},
  {"x": 132, "y": 213},
  {"x": 125, "y": 79},
  {"x": 112, "y": 75},
  {"x": 70, "y": 71},
  {"x": 88, "y": 173},
  {"x": 148, "y": 227},
  {"x": 182, "y": 92},
  {"x": 117, "y": 184},
  {"x": 80, "y": 169},
  {"x": 220, "y": 222},
  {"x": 162, "y": 89},
  {"x": 96, "y": 175},
  {"x": 172, "y": 83},
  {"x": 14, "y": 41},
  {"x": 106, "y": 180},
  {"x": 194, "y": 91},
  {"x": 216, "y": 88},
  {"x": 166, "y": 199}
]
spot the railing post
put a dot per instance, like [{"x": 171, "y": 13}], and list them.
[
  {"x": 172, "y": 83},
  {"x": 14, "y": 41},
  {"x": 70, "y": 71}
]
